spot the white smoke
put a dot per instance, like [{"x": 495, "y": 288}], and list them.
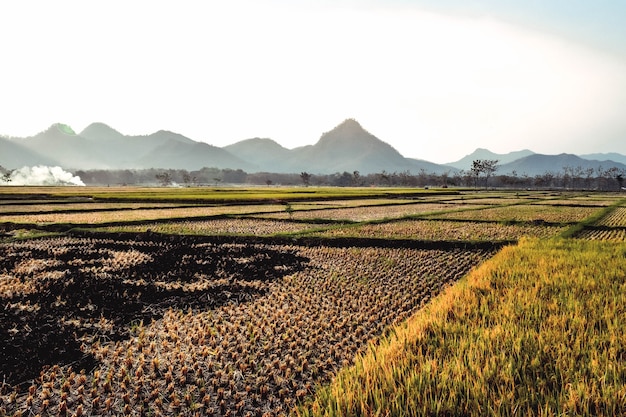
[{"x": 42, "y": 175}]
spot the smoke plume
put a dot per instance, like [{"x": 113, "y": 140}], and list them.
[{"x": 41, "y": 175}]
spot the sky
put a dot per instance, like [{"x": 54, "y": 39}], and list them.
[{"x": 436, "y": 79}]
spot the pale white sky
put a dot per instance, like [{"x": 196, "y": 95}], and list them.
[{"x": 434, "y": 82}]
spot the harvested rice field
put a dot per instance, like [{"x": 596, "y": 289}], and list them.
[
  {"x": 155, "y": 305},
  {"x": 358, "y": 214},
  {"x": 524, "y": 213},
  {"x": 224, "y": 226},
  {"x": 443, "y": 230},
  {"x": 165, "y": 325}
]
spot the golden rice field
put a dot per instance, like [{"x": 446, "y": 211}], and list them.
[{"x": 367, "y": 302}]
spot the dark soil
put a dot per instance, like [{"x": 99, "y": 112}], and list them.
[{"x": 183, "y": 273}]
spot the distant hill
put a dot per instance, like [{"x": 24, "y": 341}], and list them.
[
  {"x": 615, "y": 157},
  {"x": 99, "y": 132},
  {"x": 60, "y": 143},
  {"x": 15, "y": 155},
  {"x": 538, "y": 164},
  {"x": 99, "y": 146},
  {"x": 195, "y": 155},
  {"x": 262, "y": 152},
  {"x": 465, "y": 163}
]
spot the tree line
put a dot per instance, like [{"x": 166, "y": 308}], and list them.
[{"x": 482, "y": 174}]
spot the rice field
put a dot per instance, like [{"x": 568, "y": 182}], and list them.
[
  {"x": 612, "y": 226},
  {"x": 616, "y": 218},
  {"x": 245, "y": 327},
  {"x": 224, "y": 226},
  {"x": 99, "y": 217},
  {"x": 176, "y": 302},
  {"x": 359, "y": 214},
  {"x": 524, "y": 213},
  {"x": 435, "y": 230},
  {"x": 537, "y": 330},
  {"x": 20, "y": 207}
]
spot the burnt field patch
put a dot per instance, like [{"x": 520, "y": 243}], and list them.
[{"x": 58, "y": 294}]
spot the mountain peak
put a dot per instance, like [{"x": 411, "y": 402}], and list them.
[
  {"x": 100, "y": 131},
  {"x": 349, "y": 125},
  {"x": 347, "y": 131},
  {"x": 63, "y": 128}
]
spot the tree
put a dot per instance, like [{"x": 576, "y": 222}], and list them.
[
  {"x": 476, "y": 169},
  {"x": 489, "y": 167},
  {"x": 617, "y": 174},
  {"x": 6, "y": 174},
  {"x": 186, "y": 178},
  {"x": 306, "y": 178},
  {"x": 164, "y": 179},
  {"x": 620, "y": 180},
  {"x": 483, "y": 166}
]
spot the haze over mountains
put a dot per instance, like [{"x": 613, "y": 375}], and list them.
[{"x": 348, "y": 147}]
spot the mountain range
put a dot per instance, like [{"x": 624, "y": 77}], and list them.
[{"x": 347, "y": 147}]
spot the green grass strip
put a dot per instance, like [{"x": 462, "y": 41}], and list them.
[{"x": 536, "y": 330}]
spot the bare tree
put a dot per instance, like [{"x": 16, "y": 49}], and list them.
[
  {"x": 164, "y": 179},
  {"x": 483, "y": 166}
]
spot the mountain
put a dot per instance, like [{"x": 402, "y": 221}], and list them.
[
  {"x": 191, "y": 156},
  {"x": 99, "y": 132},
  {"x": 614, "y": 157},
  {"x": 538, "y": 164},
  {"x": 61, "y": 144},
  {"x": 14, "y": 155},
  {"x": 480, "y": 153},
  {"x": 99, "y": 146},
  {"x": 348, "y": 147},
  {"x": 263, "y": 153}
]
